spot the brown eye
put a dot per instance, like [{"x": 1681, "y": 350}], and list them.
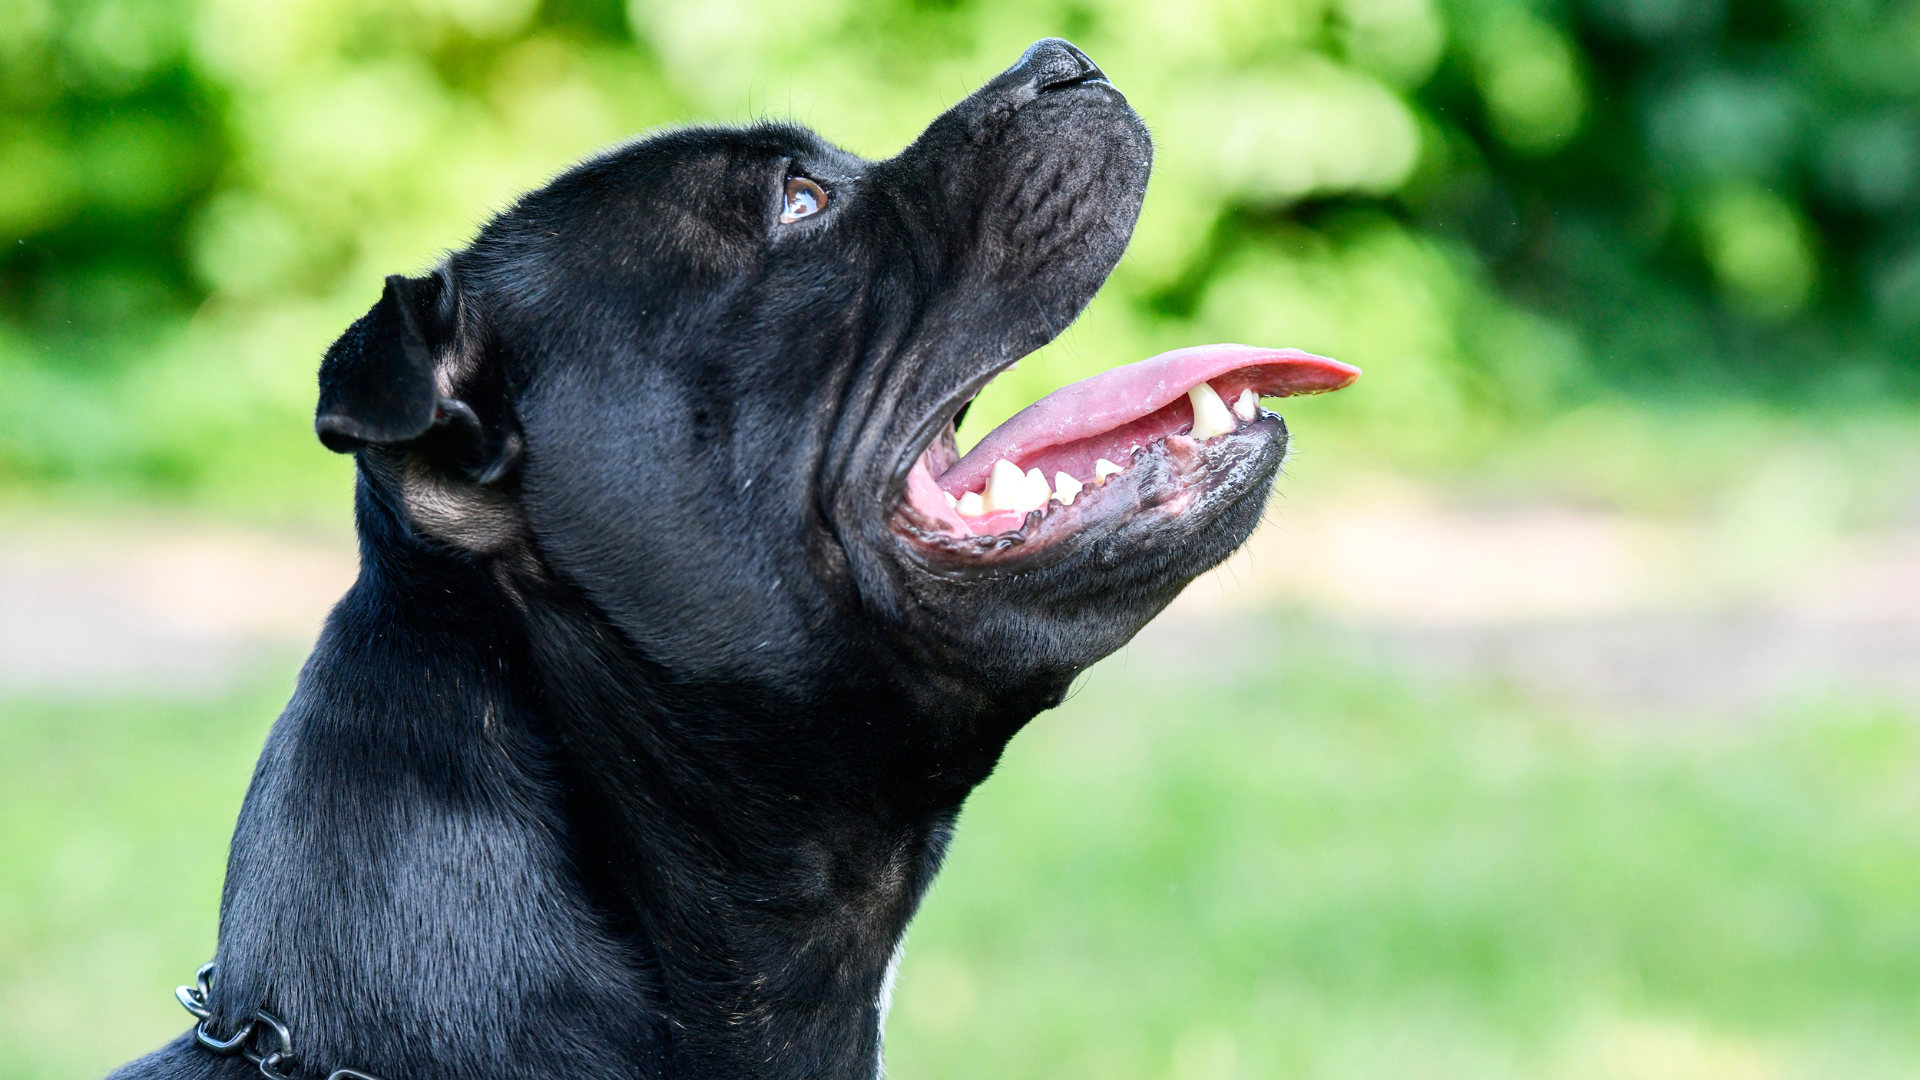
[{"x": 804, "y": 199}]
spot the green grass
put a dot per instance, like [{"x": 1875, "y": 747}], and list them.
[
  {"x": 1293, "y": 864},
  {"x": 114, "y": 818},
  {"x": 1302, "y": 867}
]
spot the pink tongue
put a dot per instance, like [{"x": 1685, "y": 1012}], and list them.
[{"x": 1106, "y": 401}]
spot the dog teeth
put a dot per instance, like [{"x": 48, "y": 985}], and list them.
[
  {"x": 1210, "y": 415},
  {"x": 951, "y": 501},
  {"x": 1010, "y": 489},
  {"x": 1006, "y": 484},
  {"x": 1247, "y": 405},
  {"x": 1103, "y": 469},
  {"x": 1066, "y": 488},
  {"x": 970, "y": 504},
  {"x": 1038, "y": 490}
]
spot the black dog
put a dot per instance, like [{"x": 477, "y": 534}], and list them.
[{"x": 681, "y": 634}]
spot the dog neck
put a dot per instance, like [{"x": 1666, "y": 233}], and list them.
[{"x": 487, "y": 839}]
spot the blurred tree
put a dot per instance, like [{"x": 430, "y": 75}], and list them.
[
  {"x": 1500, "y": 207},
  {"x": 1717, "y": 194},
  {"x": 108, "y": 141}
]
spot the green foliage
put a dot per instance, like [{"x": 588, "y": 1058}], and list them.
[
  {"x": 1499, "y": 208},
  {"x": 1713, "y": 193}
]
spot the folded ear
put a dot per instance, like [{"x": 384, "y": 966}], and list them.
[{"x": 377, "y": 381}]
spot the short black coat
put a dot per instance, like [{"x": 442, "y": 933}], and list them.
[{"x": 641, "y": 734}]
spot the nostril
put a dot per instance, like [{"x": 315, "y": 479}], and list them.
[{"x": 1054, "y": 62}]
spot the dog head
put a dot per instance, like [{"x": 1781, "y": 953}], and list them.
[{"x": 710, "y": 381}]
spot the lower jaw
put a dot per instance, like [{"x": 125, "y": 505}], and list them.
[{"x": 1169, "y": 486}]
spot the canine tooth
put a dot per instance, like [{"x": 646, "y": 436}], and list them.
[
  {"x": 1010, "y": 489},
  {"x": 1103, "y": 469},
  {"x": 1210, "y": 415},
  {"x": 1066, "y": 488},
  {"x": 1005, "y": 484},
  {"x": 951, "y": 501},
  {"x": 1247, "y": 405},
  {"x": 970, "y": 505}
]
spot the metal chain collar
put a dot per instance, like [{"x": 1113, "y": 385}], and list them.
[{"x": 263, "y": 1038}]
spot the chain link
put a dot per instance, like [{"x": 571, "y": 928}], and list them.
[{"x": 262, "y": 1038}]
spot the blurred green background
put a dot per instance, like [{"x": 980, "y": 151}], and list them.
[{"x": 1651, "y": 258}]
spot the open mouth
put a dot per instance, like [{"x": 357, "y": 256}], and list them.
[{"x": 1151, "y": 434}]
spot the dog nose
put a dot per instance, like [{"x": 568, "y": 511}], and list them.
[{"x": 1051, "y": 63}]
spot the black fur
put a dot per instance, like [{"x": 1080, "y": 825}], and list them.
[
  {"x": 376, "y": 385},
  {"x": 642, "y": 733}
]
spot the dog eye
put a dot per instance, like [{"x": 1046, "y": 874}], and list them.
[{"x": 804, "y": 199}]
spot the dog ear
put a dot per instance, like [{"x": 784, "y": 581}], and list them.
[
  {"x": 380, "y": 385},
  {"x": 377, "y": 381}
]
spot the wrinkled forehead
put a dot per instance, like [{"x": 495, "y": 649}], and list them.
[
  {"x": 699, "y": 198},
  {"x": 665, "y": 258}
]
